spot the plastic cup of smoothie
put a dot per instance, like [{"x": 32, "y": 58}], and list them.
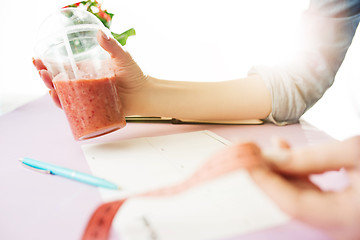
[{"x": 82, "y": 74}]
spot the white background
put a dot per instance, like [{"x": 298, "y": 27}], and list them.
[{"x": 191, "y": 40}]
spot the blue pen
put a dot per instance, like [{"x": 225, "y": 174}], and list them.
[{"x": 67, "y": 173}]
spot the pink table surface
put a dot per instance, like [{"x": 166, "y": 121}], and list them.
[{"x": 37, "y": 206}]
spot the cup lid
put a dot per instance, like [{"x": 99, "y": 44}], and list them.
[{"x": 65, "y": 21}]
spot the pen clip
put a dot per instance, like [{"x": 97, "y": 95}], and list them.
[{"x": 39, "y": 170}]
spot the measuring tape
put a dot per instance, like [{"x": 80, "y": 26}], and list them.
[{"x": 246, "y": 155}]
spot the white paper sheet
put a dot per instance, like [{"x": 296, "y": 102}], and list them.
[{"x": 227, "y": 206}]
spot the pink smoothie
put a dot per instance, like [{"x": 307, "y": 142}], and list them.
[{"x": 92, "y": 106}]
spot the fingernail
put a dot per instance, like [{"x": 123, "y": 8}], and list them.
[
  {"x": 35, "y": 63},
  {"x": 279, "y": 143},
  {"x": 104, "y": 35},
  {"x": 42, "y": 72}
]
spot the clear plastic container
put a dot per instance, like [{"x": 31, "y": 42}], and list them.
[{"x": 82, "y": 73}]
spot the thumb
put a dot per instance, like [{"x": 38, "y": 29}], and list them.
[
  {"x": 317, "y": 159},
  {"x": 110, "y": 45}
]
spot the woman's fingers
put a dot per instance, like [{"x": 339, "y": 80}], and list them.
[
  {"x": 338, "y": 213},
  {"x": 306, "y": 204},
  {"x": 39, "y": 65},
  {"x": 55, "y": 97},
  {"x": 316, "y": 159},
  {"x": 46, "y": 77},
  {"x": 116, "y": 52},
  {"x": 43, "y": 72},
  {"x": 302, "y": 182}
]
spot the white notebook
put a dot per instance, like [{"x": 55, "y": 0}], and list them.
[{"x": 227, "y": 206}]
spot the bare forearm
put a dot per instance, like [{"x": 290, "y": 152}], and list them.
[{"x": 239, "y": 99}]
